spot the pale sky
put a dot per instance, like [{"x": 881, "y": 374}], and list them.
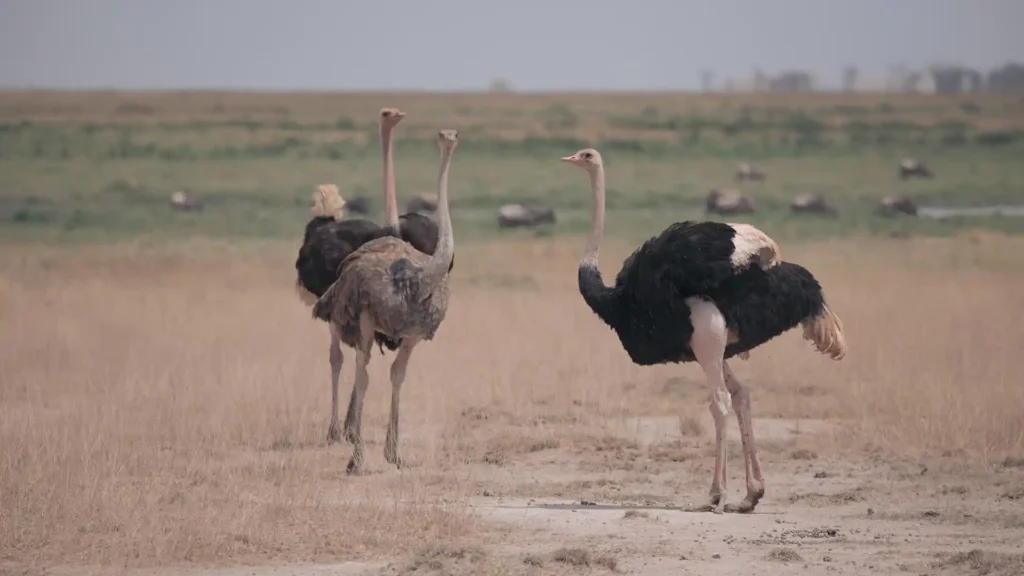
[{"x": 463, "y": 44}]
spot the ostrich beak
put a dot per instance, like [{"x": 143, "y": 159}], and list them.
[{"x": 569, "y": 158}]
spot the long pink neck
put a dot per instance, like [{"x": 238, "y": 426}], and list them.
[
  {"x": 438, "y": 264},
  {"x": 390, "y": 202},
  {"x": 596, "y": 217}
]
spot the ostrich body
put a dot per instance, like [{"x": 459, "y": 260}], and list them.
[
  {"x": 729, "y": 201},
  {"x": 358, "y": 205},
  {"x": 524, "y": 215},
  {"x": 747, "y": 171},
  {"x": 186, "y": 202},
  {"x": 813, "y": 204},
  {"x": 898, "y": 205},
  {"x": 705, "y": 292},
  {"x": 389, "y": 287},
  {"x": 420, "y": 203},
  {"x": 328, "y": 240},
  {"x": 911, "y": 167}
]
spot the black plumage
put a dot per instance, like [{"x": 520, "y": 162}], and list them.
[{"x": 648, "y": 310}]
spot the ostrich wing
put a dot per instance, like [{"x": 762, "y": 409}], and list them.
[
  {"x": 383, "y": 265},
  {"x": 326, "y": 246},
  {"x": 695, "y": 257}
]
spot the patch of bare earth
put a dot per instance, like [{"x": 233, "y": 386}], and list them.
[{"x": 156, "y": 419}]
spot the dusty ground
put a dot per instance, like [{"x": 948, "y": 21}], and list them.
[{"x": 166, "y": 414}]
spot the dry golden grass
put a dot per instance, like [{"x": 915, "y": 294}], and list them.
[{"x": 159, "y": 407}]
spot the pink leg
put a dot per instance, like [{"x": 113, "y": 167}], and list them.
[
  {"x": 337, "y": 358},
  {"x": 708, "y": 345},
  {"x": 354, "y": 421},
  {"x": 398, "y": 368},
  {"x": 755, "y": 482}
]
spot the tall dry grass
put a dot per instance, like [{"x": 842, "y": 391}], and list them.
[{"x": 157, "y": 407}]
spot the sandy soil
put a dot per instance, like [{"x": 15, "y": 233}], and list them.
[{"x": 613, "y": 507}]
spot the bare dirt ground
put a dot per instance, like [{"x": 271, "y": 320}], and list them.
[{"x": 166, "y": 414}]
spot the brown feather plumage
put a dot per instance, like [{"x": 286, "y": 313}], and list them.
[
  {"x": 388, "y": 288},
  {"x": 385, "y": 279}
]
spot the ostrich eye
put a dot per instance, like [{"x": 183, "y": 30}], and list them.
[
  {"x": 385, "y": 114},
  {"x": 587, "y": 155}
]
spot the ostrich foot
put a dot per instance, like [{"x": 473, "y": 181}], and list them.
[
  {"x": 351, "y": 435},
  {"x": 748, "y": 504},
  {"x": 355, "y": 464},
  {"x": 714, "y": 504},
  {"x": 392, "y": 457},
  {"x": 354, "y": 468},
  {"x": 333, "y": 433}
]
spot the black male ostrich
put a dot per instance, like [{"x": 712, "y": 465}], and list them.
[
  {"x": 328, "y": 240},
  {"x": 705, "y": 292}
]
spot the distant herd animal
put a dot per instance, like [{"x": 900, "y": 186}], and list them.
[
  {"x": 729, "y": 201},
  {"x": 517, "y": 215},
  {"x": 721, "y": 201},
  {"x": 701, "y": 292}
]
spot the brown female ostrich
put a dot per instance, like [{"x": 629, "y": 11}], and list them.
[
  {"x": 389, "y": 287},
  {"x": 328, "y": 240},
  {"x": 704, "y": 292}
]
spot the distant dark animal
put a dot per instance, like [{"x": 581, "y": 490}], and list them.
[
  {"x": 813, "y": 204},
  {"x": 728, "y": 201},
  {"x": 524, "y": 215},
  {"x": 328, "y": 240},
  {"x": 186, "y": 203},
  {"x": 387, "y": 286},
  {"x": 911, "y": 168},
  {"x": 897, "y": 205},
  {"x": 358, "y": 205},
  {"x": 747, "y": 171},
  {"x": 705, "y": 292},
  {"x": 420, "y": 203}
]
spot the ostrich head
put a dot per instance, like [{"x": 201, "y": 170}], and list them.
[
  {"x": 327, "y": 201},
  {"x": 448, "y": 139},
  {"x": 390, "y": 117},
  {"x": 588, "y": 159}
]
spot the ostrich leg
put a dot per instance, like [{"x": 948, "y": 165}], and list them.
[
  {"x": 337, "y": 358},
  {"x": 398, "y": 368},
  {"x": 708, "y": 345},
  {"x": 355, "y": 408},
  {"x": 755, "y": 482}
]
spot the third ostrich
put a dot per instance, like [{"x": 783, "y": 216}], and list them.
[
  {"x": 705, "y": 292},
  {"x": 389, "y": 287}
]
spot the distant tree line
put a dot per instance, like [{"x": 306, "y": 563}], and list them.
[{"x": 938, "y": 79}]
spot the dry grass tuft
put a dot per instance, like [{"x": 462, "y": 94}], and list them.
[
  {"x": 803, "y": 454},
  {"x": 533, "y": 560},
  {"x": 690, "y": 426},
  {"x": 983, "y": 563},
  {"x": 635, "y": 514},
  {"x": 446, "y": 559},
  {"x": 582, "y": 557},
  {"x": 784, "y": 555},
  {"x": 161, "y": 407}
]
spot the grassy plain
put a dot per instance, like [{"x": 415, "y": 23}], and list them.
[
  {"x": 102, "y": 165},
  {"x": 164, "y": 396}
]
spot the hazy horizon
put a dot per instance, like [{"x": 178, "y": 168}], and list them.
[{"x": 461, "y": 45}]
